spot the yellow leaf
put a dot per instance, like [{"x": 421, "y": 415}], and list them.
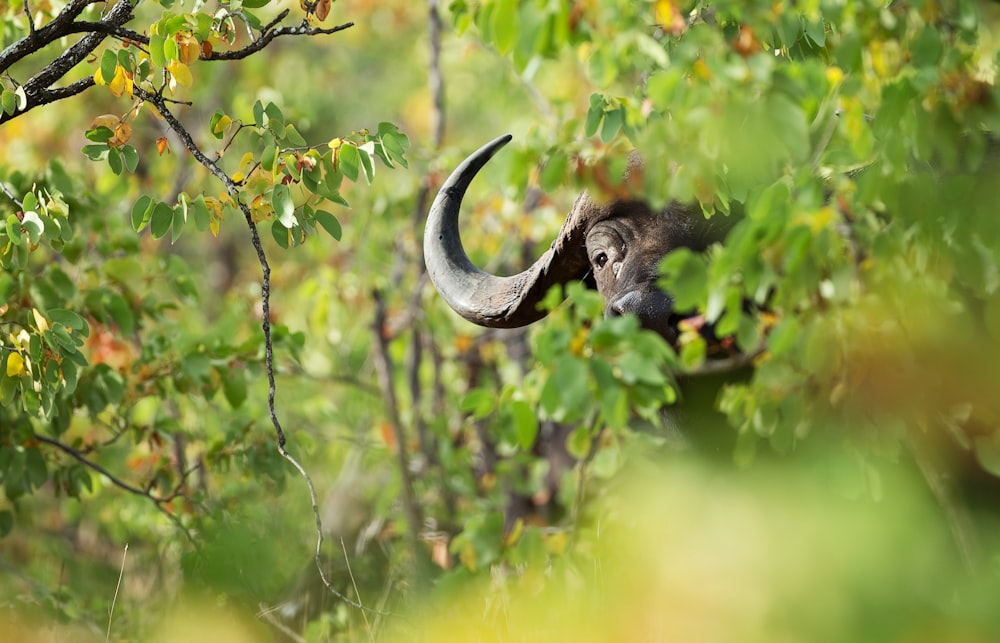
[
  {"x": 117, "y": 84},
  {"x": 105, "y": 120},
  {"x": 222, "y": 124},
  {"x": 123, "y": 132},
  {"x": 557, "y": 543},
  {"x": 336, "y": 143},
  {"x": 260, "y": 209},
  {"x": 214, "y": 225},
  {"x": 15, "y": 365},
  {"x": 668, "y": 16},
  {"x": 40, "y": 322},
  {"x": 99, "y": 78},
  {"x": 188, "y": 49},
  {"x": 180, "y": 73}
]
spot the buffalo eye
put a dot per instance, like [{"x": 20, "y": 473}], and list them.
[{"x": 601, "y": 259}]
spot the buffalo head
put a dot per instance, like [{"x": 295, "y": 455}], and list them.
[{"x": 620, "y": 242}]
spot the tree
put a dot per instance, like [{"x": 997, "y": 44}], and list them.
[{"x": 853, "y": 140}]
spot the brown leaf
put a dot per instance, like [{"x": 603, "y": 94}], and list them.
[{"x": 322, "y": 9}]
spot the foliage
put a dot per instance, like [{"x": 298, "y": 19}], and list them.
[{"x": 851, "y": 143}]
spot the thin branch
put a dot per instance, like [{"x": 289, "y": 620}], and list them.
[
  {"x": 10, "y": 195},
  {"x": 31, "y": 21},
  {"x": 36, "y": 39},
  {"x": 435, "y": 79},
  {"x": 85, "y": 26},
  {"x": 266, "y": 37},
  {"x": 158, "y": 501},
  {"x": 357, "y": 593},
  {"x": 233, "y": 189},
  {"x": 36, "y": 90},
  {"x": 266, "y": 613},
  {"x": 111, "y": 612},
  {"x": 383, "y": 365}
]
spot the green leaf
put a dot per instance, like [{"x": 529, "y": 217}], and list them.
[
  {"x": 33, "y": 225},
  {"x": 578, "y": 442},
  {"x": 95, "y": 152},
  {"x": 155, "y": 52},
  {"x": 67, "y": 318},
  {"x": 595, "y": 114},
  {"x": 161, "y": 220},
  {"x": 120, "y": 312},
  {"x": 567, "y": 389},
  {"x": 275, "y": 119},
  {"x": 292, "y": 136},
  {"x": 34, "y": 467},
  {"x": 9, "y": 101},
  {"x": 100, "y": 134},
  {"x": 685, "y": 277},
  {"x": 6, "y": 523},
  {"x": 365, "y": 153},
  {"x": 350, "y": 163},
  {"x": 109, "y": 63},
  {"x": 613, "y": 122},
  {"x": 479, "y": 402},
  {"x": 115, "y": 160},
  {"x": 329, "y": 223},
  {"x": 180, "y": 218},
  {"x": 131, "y": 157},
  {"x": 281, "y": 234},
  {"x": 693, "y": 353},
  {"x": 141, "y": 212},
  {"x": 268, "y": 156},
  {"x": 525, "y": 424},
  {"x": 234, "y": 386},
  {"x": 284, "y": 206},
  {"x": 505, "y": 25},
  {"x": 199, "y": 212},
  {"x": 258, "y": 114}
]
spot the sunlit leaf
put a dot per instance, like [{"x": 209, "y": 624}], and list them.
[
  {"x": 349, "y": 161},
  {"x": 15, "y": 365},
  {"x": 284, "y": 206},
  {"x": 180, "y": 73}
]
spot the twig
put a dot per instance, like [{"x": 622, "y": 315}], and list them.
[
  {"x": 111, "y": 612},
  {"x": 10, "y": 195},
  {"x": 354, "y": 583},
  {"x": 267, "y": 36},
  {"x": 265, "y": 613},
  {"x": 435, "y": 79},
  {"x": 158, "y": 501}
]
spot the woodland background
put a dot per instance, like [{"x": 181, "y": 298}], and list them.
[{"x": 478, "y": 484}]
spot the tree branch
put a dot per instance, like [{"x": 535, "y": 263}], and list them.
[
  {"x": 158, "y": 501},
  {"x": 36, "y": 39},
  {"x": 411, "y": 510},
  {"x": 267, "y": 36},
  {"x": 35, "y": 89}
]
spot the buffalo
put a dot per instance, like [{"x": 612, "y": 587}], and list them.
[{"x": 616, "y": 246}]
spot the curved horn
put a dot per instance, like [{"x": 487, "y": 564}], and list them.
[{"x": 479, "y": 297}]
